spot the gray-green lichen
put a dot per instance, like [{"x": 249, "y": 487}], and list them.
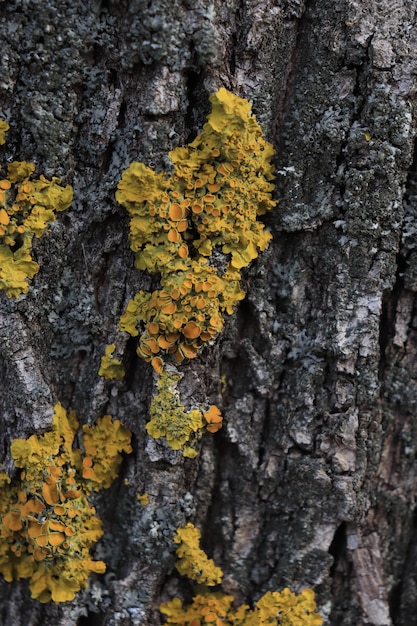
[
  {"x": 168, "y": 32},
  {"x": 51, "y": 43}
]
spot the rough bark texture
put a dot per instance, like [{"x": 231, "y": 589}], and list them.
[{"x": 312, "y": 480}]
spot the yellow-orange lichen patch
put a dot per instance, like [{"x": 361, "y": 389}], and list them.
[
  {"x": 104, "y": 443},
  {"x": 221, "y": 183},
  {"x": 196, "y": 229},
  {"x": 276, "y": 608},
  {"x": 214, "y": 419},
  {"x": 4, "y": 127},
  {"x": 110, "y": 367},
  {"x": 192, "y": 560},
  {"x": 47, "y": 526},
  {"x": 27, "y": 206},
  {"x": 169, "y": 418}
]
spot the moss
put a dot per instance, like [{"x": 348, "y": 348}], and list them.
[
  {"x": 47, "y": 526},
  {"x": 27, "y": 206}
]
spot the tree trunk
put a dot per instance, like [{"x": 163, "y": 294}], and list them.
[{"x": 312, "y": 480}]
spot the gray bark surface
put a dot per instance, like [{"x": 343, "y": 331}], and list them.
[{"x": 312, "y": 480}]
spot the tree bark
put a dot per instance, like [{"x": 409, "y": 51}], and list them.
[{"x": 312, "y": 480}]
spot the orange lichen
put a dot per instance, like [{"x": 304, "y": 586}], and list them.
[
  {"x": 221, "y": 183},
  {"x": 214, "y": 419},
  {"x": 196, "y": 229},
  {"x": 26, "y": 208},
  {"x": 47, "y": 526}
]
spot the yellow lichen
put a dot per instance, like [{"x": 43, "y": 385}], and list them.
[
  {"x": 220, "y": 184},
  {"x": 169, "y": 418},
  {"x": 47, "y": 526},
  {"x": 4, "y": 127},
  {"x": 196, "y": 229},
  {"x": 16, "y": 268},
  {"x": 26, "y": 208},
  {"x": 210, "y": 608},
  {"x": 142, "y": 498},
  {"x": 193, "y": 561},
  {"x": 110, "y": 367},
  {"x": 103, "y": 442},
  {"x": 277, "y": 608}
]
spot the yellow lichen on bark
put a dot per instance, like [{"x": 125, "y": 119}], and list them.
[
  {"x": 27, "y": 206},
  {"x": 220, "y": 185},
  {"x": 104, "y": 442},
  {"x": 47, "y": 525},
  {"x": 169, "y": 418},
  {"x": 274, "y": 608},
  {"x": 277, "y": 608},
  {"x": 192, "y": 560},
  {"x": 4, "y": 127},
  {"x": 196, "y": 229},
  {"x": 111, "y": 367}
]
